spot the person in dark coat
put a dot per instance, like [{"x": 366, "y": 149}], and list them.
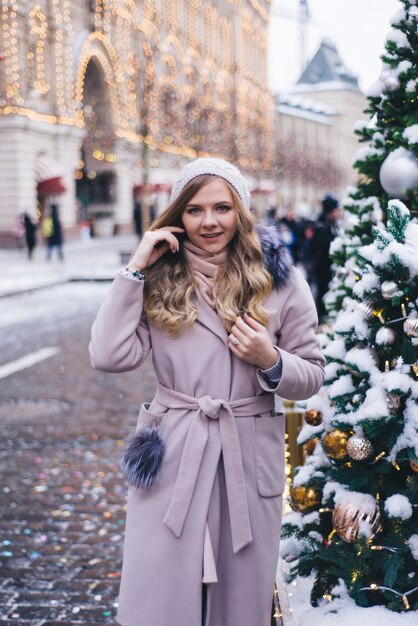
[
  {"x": 138, "y": 218},
  {"x": 55, "y": 240},
  {"x": 30, "y": 233},
  {"x": 288, "y": 229},
  {"x": 324, "y": 232}
]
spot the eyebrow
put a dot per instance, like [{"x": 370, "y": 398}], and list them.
[{"x": 222, "y": 203}]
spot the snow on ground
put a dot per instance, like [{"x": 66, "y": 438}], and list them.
[
  {"x": 47, "y": 304},
  {"x": 95, "y": 259},
  {"x": 340, "y": 612}
]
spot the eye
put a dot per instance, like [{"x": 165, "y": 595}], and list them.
[
  {"x": 194, "y": 210},
  {"x": 224, "y": 208}
]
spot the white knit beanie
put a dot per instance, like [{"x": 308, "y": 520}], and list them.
[{"x": 213, "y": 167}]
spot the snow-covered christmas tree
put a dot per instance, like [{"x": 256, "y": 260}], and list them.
[
  {"x": 355, "y": 501},
  {"x": 388, "y": 162},
  {"x": 356, "y": 498}
]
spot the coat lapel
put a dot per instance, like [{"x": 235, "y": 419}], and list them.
[{"x": 209, "y": 318}]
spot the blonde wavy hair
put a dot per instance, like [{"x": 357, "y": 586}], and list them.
[{"x": 243, "y": 284}]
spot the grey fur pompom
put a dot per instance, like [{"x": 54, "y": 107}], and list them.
[
  {"x": 142, "y": 457},
  {"x": 277, "y": 258}
]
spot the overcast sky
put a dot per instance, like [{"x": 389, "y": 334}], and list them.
[{"x": 357, "y": 27}]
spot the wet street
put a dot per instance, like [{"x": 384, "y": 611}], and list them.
[{"x": 62, "y": 497}]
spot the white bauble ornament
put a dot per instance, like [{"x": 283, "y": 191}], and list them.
[
  {"x": 399, "y": 172},
  {"x": 410, "y": 326},
  {"x": 385, "y": 335},
  {"x": 359, "y": 448},
  {"x": 388, "y": 289},
  {"x": 366, "y": 309},
  {"x": 392, "y": 83}
]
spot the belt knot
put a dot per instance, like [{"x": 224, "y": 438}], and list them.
[{"x": 210, "y": 406}]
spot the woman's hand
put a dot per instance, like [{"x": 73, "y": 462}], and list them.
[
  {"x": 148, "y": 251},
  {"x": 250, "y": 341}
]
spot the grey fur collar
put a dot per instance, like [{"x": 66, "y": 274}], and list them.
[{"x": 277, "y": 258}]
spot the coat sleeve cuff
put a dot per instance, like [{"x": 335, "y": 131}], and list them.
[
  {"x": 273, "y": 374},
  {"x": 270, "y": 378}
]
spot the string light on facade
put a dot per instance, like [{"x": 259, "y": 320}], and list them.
[{"x": 179, "y": 63}]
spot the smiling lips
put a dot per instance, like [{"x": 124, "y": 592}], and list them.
[{"x": 211, "y": 235}]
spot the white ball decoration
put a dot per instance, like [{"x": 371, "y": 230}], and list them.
[
  {"x": 385, "y": 335},
  {"x": 399, "y": 172},
  {"x": 389, "y": 289},
  {"x": 392, "y": 83}
]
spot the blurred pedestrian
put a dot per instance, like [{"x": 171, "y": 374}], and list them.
[
  {"x": 230, "y": 322},
  {"x": 271, "y": 215},
  {"x": 288, "y": 229},
  {"x": 137, "y": 216},
  {"x": 19, "y": 231},
  {"x": 30, "y": 233},
  {"x": 52, "y": 231},
  {"x": 305, "y": 249},
  {"x": 324, "y": 232}
]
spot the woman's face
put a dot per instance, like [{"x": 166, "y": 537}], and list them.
[{"x": 210, "y": 218}]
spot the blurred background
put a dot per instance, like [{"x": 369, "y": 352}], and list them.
[{"x": 102, "y": 102}]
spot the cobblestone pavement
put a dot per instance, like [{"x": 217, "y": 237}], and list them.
[{"x": 62, "y": 498}]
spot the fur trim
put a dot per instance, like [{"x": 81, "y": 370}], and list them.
[
  {"x": 142, "y": 457},
  {"x": 277, "y": 258}
]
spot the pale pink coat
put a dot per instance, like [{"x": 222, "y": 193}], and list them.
[{"x": 214, "y": 515}]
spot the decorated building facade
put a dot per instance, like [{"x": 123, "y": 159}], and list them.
[
  {"x": 100, "y": 97},
  {"x": 315, "y": 142}
]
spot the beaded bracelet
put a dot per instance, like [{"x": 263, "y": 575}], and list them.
[{"x": 133, "y": 273}]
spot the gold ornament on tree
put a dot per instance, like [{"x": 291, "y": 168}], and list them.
[
  {"x": 414, "y": 466},
  {"x": 410, "y": 326},
  {"x": 347, "y": 518},
  {"x": 359, "y": 448},
  {"x": 388, "y": 289},
  {"x": 311, "y": 445},
  {"x": 313, "y": 417},
  {"x": 304, "y": 498},
  {"x": 334, "y": 443}
]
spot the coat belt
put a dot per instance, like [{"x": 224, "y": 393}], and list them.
[{"x": 208, "y": 408}]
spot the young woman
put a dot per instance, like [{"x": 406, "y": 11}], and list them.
[{"x": 230, "y": 323}]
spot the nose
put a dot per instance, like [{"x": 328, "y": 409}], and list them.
[{"x": 209, "y": 218}]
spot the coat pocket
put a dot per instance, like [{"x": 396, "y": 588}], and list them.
[
  {"x": 148, "y": 416},
  {"x": 269, "y": 455},
  {"x": 144, "y": 450}
]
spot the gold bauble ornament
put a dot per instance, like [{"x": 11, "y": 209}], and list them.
[
  {"x": 393, "y": 401},
  {"x": 335, "y": 444},
  {"x": 388, "y": 289},
  {"x": 347, "y": 518},
  {"x": 414, "y": 371},
  {"x": 414, "y": 466},
  {"x": 304, "y": 498},
  {"x": 311, "y": 445},
  {"x": 359, "y": 448},
  {"x": 410, "y": 326},
  {"x": 313, "y": 417}
]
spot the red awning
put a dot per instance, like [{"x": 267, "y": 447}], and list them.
[
  {"x": 48, "y": 174},
  {"x": 51, "y": 187}
]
